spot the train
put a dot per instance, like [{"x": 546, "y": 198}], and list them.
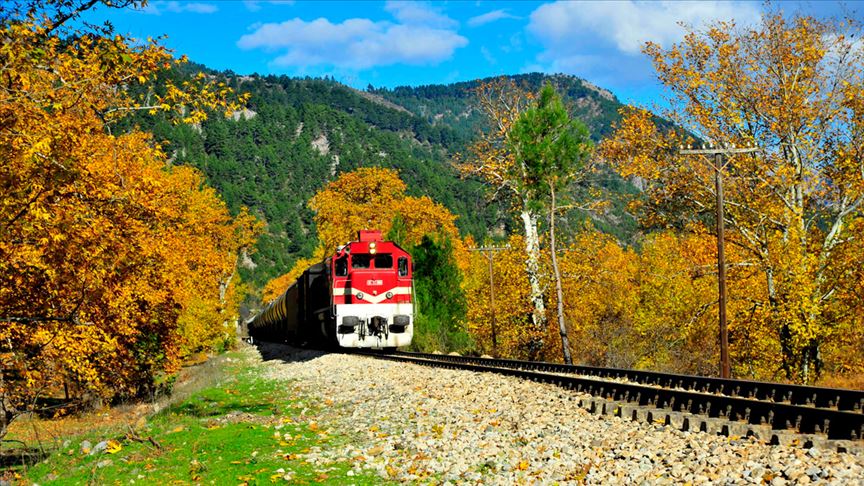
[{"x": 360, "y": 297}]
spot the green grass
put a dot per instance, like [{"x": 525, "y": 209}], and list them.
[{"x": 241, "y": 429}]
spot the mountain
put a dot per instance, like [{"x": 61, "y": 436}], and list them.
[
  {"x": 298, "y": 134},
  {"x": 453, "y": 105}
]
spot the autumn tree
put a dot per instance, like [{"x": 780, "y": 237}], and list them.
[
  {"x": 492, "y": 160},
  {"x": 113, "y": 265},
  {"x": 792, "y": 86},
  {"x": 553, "y": 149},
  {"x": 373, "y": 198},
  {"x": 370, "y": 198},
  {"x": 601, "y": 292},
  {"x": 652, "y": 308},
  {"x": 513, "y": 304}
]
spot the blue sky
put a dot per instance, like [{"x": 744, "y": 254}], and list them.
[{"x": 392, "y": 43}]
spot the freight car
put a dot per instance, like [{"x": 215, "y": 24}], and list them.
[{"x": 360, "y": 297}]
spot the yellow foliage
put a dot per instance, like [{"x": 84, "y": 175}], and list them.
[
  {"x": 362, "y": 199},
  {"x": 512, "y": 310},
  {"x": 791, "y": 86},
  {"x": 370, "y": 198},
  {"x": 657, "y": 309},
  {"x": 652, "y": 309},
  {"x": 274, "y": 288},
  {"x": 113, "y": 265}
]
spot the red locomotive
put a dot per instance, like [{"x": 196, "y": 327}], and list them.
[{"x": 360, "y": 297}]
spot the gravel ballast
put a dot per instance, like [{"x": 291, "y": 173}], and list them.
[{"x": 415, "y": 423}]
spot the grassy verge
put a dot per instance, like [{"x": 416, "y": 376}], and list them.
[{"x": 238, "y": 428}]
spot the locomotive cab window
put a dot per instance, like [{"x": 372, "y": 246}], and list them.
[
  {"x": 342, "y": 266},
  {"x": 403, "y": 266},
  {"x": 383, "y": 261},
  {"x": 360, "y": 261}
]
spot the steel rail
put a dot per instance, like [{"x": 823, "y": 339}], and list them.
[
  {"x": 820, "y": 397},
  {"x": 830, "y": 423}
]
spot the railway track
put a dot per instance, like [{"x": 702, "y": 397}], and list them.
[{"x": 774, "y": 412}]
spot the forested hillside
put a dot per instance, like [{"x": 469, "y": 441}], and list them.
[
  {"x": 453, "y": 105},
  {"x": 298, "y": 134}
]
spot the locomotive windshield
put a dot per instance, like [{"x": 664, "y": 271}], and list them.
[
  {"x": 363, "y": 261},
  {"x": 403, "y": 267},
  {"x": 360, "y": 260},
  {"x": 384, "y": 261}
]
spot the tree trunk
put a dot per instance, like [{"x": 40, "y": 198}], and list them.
[
  {"x": 532, "y": 265},
  {"x": 6, "y": 418},
  {"x": 7, "y": 413},
  {"x": 562, "y": 328},
  {"x": 223, "y": 288}
]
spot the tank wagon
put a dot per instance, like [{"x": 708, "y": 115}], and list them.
[{"x": 360, "y": 297}]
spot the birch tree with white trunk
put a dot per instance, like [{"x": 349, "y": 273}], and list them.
[{"x": 553, "y": 149}]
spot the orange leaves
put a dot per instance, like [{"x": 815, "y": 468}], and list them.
[
  {"x": 656, "y": 308},
  {"x": 91, "y": 75},
  {"x": 792, "y": 86},
  {"x": 361, "y": 199},
  {"x": 513, "y": 329},
  {"x": 370, "y": 198},
  {"x": 190, "y": 101},
  {"x": 636, "y": 145},
  {"x": 112, "y": 265},
  {"x": 275, "y": 287}
]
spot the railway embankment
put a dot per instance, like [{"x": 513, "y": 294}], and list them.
[
  {"x": 276, "y": 414},
  {"x": 416, "y": 423}
]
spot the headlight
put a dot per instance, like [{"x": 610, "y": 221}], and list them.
[
  {"x": 389, "y": 295},
  {"x": 372, "y": 248},
  {"x": 359, "y": 295}
]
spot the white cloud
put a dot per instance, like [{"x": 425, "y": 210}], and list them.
[
  {"x": 418, "y": 13},
  {"x": 157, "y": 8},
  {"x": 602, "y": 41},
  {"x": 490, "y": 17},
  {"x": 354, "y": 43},
  {"x": 488, "y": 55},
  {"x": 562, "y": 26},
  {"x": 514, "y": 44}
]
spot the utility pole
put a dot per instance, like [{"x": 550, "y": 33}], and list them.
[
  {"x": 489, "y": 252},
  {"x": 719, "y": 153}
]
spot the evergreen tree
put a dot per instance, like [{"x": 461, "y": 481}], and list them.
[
  {"x": 552, "y": 148},
  {"x": 440, "y": 302}
]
